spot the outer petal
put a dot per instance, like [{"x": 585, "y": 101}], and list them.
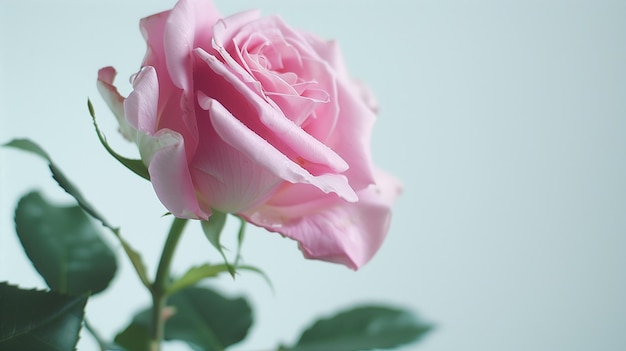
[
  {"x": 115, "y": 101},
  {"x": 141, "y": 106},
  {"x": 351, "y": 138},
  {"x": 330, "y": 52},
  {"x": 346, "y": 233},
  {"x": 188, "y": 26},
  {"x": 352, "y": 135},
  {"x": 162, "y": 150},
  {"x": 153, "y": 30},
  {"x": 170, "y": 176}
]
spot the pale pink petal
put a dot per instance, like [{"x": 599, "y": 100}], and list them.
[
  {"x": 141, "y": 106},
  {"x": 367, "y": 95},
  {"x": 265, "y": 155},
  {"x": 162, "y": 150},
  {"x": 352, "y": 135},
  {"x": 329, "y": 52},
  {"x": 223, "y": 34},
  {"x": 114, "y": 100},
  {"x": 152, "y": 29},
  {"x": 274, "y": 127},
  {"x": 336, "y": 231},
  {"x": 322, "y": 125},
  {"x": 170, "y": 175},
  {"x": 189, "y": 25},
  {"x": 225, "y": 178}
]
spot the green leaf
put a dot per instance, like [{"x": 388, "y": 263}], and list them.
[
  {"x": 64, "y": 246},
  {"x": 70, "y": 188},
  {"x": 136, "y": 337},
  {"x": 136, "y": 166},
  {"x": 203, "y": 319},
  {"x": 34, "y": 320},
  {"x": 213, "y": 230},
  {"x": 208, "y": 320},
  {"x": 363, "y": 328},
  {"x": 62, "y": 180},
  {"x": 197, "y": 273},
  {"x": 27, "y": 145}
]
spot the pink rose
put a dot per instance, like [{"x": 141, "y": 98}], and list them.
[{"x": 247, "y": 115}]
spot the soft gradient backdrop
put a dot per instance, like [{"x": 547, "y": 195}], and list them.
[{"x": 506, "y": 120}]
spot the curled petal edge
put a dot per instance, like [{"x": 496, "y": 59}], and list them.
[
  {"x": 262, "y": 152},
  {"x": 114, "y": 100}
]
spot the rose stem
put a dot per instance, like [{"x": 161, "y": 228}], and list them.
[{"x": 161, "y": 280}]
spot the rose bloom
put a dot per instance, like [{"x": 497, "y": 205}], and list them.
[{"x": 247, "y": 115}]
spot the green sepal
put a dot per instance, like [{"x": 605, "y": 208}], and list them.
[
  {"x": 213, "y": 231},
  {"x": 363, "y": 328},
  {"x": 136, "y": 260},
  {"x": 202, "y": 318},
  {"x": 64, "y": 246},
  {"x": 34, "y": 320},
  {"x": 136, "y": 166},
  {"x": 240, "y": 237}
]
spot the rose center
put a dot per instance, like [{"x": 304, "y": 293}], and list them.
[{"x": 285, "y": 76}]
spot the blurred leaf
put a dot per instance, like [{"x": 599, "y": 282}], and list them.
[
  {"x": 32, "y": 320},
  {"x": 136, "y": 166},
  {"x": 64, "y": 246},
  {"x": 213, "y": 230},
  {"x": 207, "y": 320},
  {"x": 62, "y": 180},
  {"x": 136, "y": 337},
  {"x": 27, "y": 145},
  {"x": 203, "y": 319},
  {"x": 70, "y": 188},
  {"x": 197, "y": 273},
  {"x": 363, "y": 328}
]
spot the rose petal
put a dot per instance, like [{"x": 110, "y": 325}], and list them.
[
  {"x": 263, "y": 154},
  {"x": 352, "y": 136},
  {"x": 170, "y": 175},
  {"x": 114, "y": 100},
  {"x": 340, "y": 232},
  {"x": 224, "y": 31},
  {"x": 141, "y": 106},
  {"x": 356, "y": 116},
  {"x": 282, "y": 131},
  {"x": 225, "y": 178},
  {"x": 152, "y": 29},
  {"x": 329, "y": 52},
  {"x": 162, "y": 150},
  {"x": 189, "y": 25}
]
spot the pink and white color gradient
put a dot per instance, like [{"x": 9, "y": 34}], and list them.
[{"x": 247, "y": 115}]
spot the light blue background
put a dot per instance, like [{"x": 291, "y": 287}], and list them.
[{"x": 506, "y": 121}]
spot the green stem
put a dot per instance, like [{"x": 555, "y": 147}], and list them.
[{"x": 161, "y": 281}]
